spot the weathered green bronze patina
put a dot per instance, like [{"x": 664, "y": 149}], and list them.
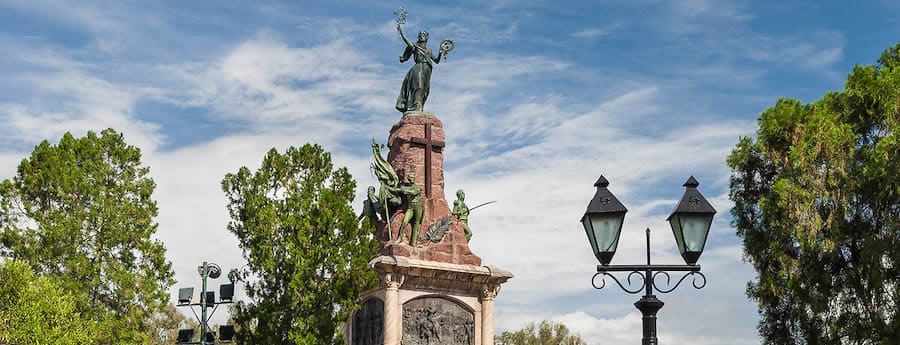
[
  {"x": 461, "y": 211},
  {"x": 388, "y": 179},
  {"x": 438, "y": 229},
  {"x": 417, "y": 83},
  {"x": 373, "y": 208},
  {"x": 412, "y": 194}
]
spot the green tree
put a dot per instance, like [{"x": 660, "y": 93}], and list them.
[
  {"x": 543, "y": 333},
  {"x": 168, "y": 321},
  {"x": 817, "y": 204},
  {"x": 306, "y": 254},
  {"x": 81, "y": 211},
  {"x": 37, "y": 310}
]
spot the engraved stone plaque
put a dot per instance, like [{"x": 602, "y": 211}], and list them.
[
  {"x": 368, "y": 323},
  {"x": 435, "y": 320}
]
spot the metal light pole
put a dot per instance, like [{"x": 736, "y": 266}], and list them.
[
  {"x": 690, "y": 223},
  {"x": 207, "y": 299},
  {"x": 648, "y": 304},
  {"x": 204, "y": 273}
]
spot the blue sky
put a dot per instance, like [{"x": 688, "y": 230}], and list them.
[{"x": 538, "y": 99}]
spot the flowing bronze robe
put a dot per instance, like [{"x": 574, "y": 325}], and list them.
[{"x": 417, "y": 83}]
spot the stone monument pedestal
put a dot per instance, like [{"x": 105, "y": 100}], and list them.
[
  {"x": 427, "y": 302},
  {"x": 434, "y": 290}
]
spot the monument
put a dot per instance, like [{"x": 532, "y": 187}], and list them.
[{"x": 434, "y": 290}]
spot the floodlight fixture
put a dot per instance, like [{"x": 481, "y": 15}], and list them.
[
  {"x": 226, "y": 333},
  {"x": 226, "y": 292},
  {"x": 185, "y": 295},
  {"x": 184, "y": 336}
]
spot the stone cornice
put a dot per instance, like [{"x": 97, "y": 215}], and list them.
[{"x": 442, "y": 277}]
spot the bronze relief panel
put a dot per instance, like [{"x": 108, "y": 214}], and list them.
[{"x": 435, "y": 320}]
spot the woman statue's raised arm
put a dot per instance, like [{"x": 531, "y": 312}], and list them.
[
  {"x": 400, "y": 30},
  {"x": 408, "y": 52}
]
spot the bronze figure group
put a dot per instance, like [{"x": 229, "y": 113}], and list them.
[{"x": 392, "y": 195}]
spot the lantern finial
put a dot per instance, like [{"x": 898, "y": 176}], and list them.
[
  {"x": 691, "y": 182},
  {"x": 601, "y": 182}
]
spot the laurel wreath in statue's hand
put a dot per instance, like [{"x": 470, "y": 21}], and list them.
[
  {"x": 446, "y": 46},
  {"x": 401, "y": 15}
]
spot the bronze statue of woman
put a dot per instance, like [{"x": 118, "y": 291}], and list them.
[{"x": 417, "y": 82}]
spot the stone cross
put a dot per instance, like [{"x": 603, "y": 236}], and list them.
[{"x": 429, "y": 145}]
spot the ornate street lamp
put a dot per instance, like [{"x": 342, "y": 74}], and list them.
[
  {"x": 603, "y": 222},
  {"x": 690, "y": 223}
]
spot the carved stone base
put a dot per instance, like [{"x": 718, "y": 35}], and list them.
[
  {"x": 427, "y": 303},
  {"x": 450, "y": 250}
]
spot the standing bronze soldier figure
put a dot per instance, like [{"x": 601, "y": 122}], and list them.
[
  {"x": 414, "y": 211},
  {"x": 461, "y": 211}
]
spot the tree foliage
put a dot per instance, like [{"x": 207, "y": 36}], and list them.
[
  {"x": 543, "y": 333},
  {"x": 168, "y": 321},
  {"x": 306, "y": 254},
  {"x": 81, "y": 211},
  {"x": 36, "y": 310},
  {"x": 817, "y": 204}
]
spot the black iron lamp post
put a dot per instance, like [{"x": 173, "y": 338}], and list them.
[{"x": 690, "y": 224}]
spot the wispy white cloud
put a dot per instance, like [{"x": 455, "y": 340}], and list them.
[
  {"x": 720, "y": 43},
  {"x": 483, "y": 31},
  {"x": 818, "y": 52},
  {"x": 595, "y": 32},
  {"x": 110, "y": 29},
  {"x": 728, "y": 9},
  {"x": 698, "y": 16},
  {"x": 273, "y": 87},
  {"x": 68, "y": 98},
  {"x": 482, "y": 22},
  {"x": 626, "y": 329},
  {"x": 84, "y": 15}
]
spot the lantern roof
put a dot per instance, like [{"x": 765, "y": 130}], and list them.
[
  {"x": 692, "y": 201},
  {"x": 604, "y": 201}
]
